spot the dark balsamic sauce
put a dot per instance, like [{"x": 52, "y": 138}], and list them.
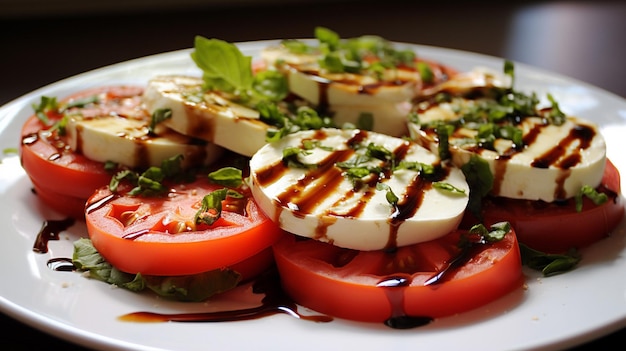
[
  {"x": 395, "y": 294},
  {"x": 50, "y": 231},
  {"x": 274, "y": 302},
  {"x": 61, "y": 264}
]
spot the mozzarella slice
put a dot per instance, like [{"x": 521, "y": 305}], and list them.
[
  {"x": 556, "y": 161},
  {"x": 390, "y": 119},
  {"x": 207, "y": 116},
  {"x": 465, "y": 82},
  {"x": 308, "y": 80},
  {"x": 347, "y": 95},
  {"x": 320, "y": 201},
  {"x": 127, "y": 141}
]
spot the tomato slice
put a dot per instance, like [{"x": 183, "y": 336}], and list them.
[
  {"x": 254, "y": 265},
  {"x": 156, "y": 235},
  {"x": 558, "y": 227},
  {"x": 63, "y": 204},
  {"x": 53, "y": 166},
  {"x": 376, "y": 286}
]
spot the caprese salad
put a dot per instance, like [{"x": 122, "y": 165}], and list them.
[{"x": 381, "y": 186}]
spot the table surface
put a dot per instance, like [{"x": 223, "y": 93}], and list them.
[{"x": 582, "y": 40}]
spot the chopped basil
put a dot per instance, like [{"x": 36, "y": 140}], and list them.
[
  {"x": 291, "y": 159},
  {"x": 358, "y": 172},
  {"x": 149, "y": 183},
  {"x": 414, "y": 117},
  {"x": 46, "y": 104},
  {"x": 509, "y": 70},
  {"x": 425, "y": 72},
  {"x": 158, "y": 116},
  {"x": 110, "y": 166},
  {"x": 297, "y": 46},
  {"x": 556, "y": 116},
  {"x": 49, "y": 105},
  {"x": 211, "y": 206},
  {"x": 228, "y": 176},
  {"x": 425, "y": 169},
  {"x": 598, "y": 198},
  {"x": 390, "y": 196},
  {"x": 304, "y": 118},
  {"x": 443, "y": 134},
  {"x": 349, "y": 55},
  {"x": 378, "y": 152},
  {"x": 496, "y": 231},
  {"x": 357, "y": 167},
  {"x": 81, "y": 102},
  {"x": 447, "y": 187},
  {"x": 333, "y": 63},
  {"x": 480, "y": 181}
]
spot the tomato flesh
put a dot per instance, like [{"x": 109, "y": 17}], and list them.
[
  {"x": 155, "y": 235},
  {"x": 558, "y": 227},
  {"x": 374, "y": 286}
]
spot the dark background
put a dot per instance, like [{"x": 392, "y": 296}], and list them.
[{"x": 45, "y": 41}]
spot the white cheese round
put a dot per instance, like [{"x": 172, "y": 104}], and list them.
[{"x": 318, "y": 200}]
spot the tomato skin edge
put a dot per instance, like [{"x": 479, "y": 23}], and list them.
[
  {"x": 63, "y": 204},
  {"x": 321, "y": 290}
]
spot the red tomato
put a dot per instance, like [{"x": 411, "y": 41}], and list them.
[
  {"x": 254, "y": 265},
  {"x": 66, "y": 205},
  {"x": 157, "y": 235},
  {"x": 558, "y": 227},
  {"x": 54, "y": 167},
  {"x": 359, "y": 285}
]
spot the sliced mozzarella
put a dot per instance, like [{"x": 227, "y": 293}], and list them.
[
  {"x": 322, "y": 203},
  {"x": 320, "y": 88},
  {"x": 555, "y": 163},
  {"x": 479, "y": 77},
  {"x": 390, "y": 119},
  {"x": 206, "y": 115},
  {"x": 347, "y": 95},
  {"x": 127, "y": 141},
  {"x": 308, "y": 80}
]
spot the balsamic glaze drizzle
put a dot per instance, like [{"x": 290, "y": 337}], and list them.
[
  {"x": 275, "y": 301},
  {"x": 50, "y": 231}
]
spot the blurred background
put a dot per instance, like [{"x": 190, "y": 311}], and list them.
[{"x": 42, "y": 41}]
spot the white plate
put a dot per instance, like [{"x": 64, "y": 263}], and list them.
[{"x": 555, "y": 312}]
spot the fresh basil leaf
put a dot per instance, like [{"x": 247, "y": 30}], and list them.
[
  {"x": 228, "y": 176},
  {"x": 187, "y": 288},
  {"x": 480, "y": 180},
  {"x": 549, "y": 264},
  {"x": 193, "y": 288},
  {"x": 223, "y": 65}
]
